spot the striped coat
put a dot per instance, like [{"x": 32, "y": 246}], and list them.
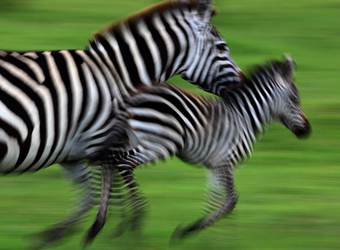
[{"x": 62, "y": 106}]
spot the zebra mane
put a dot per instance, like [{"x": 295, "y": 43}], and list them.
[
  {"x": 269, "y": 70},
  {"x": 260, "y": 76},
  {"x": 144, "y": 14}
]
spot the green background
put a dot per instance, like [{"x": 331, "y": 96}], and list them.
[{"x": 289, "y": 190}]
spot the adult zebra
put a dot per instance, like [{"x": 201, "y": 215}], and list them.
[
  {"x": 217, "y": 134},
  {"x": 59, "y": 106}
]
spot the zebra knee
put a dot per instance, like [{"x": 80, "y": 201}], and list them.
[{"x": 183, "y": 231}]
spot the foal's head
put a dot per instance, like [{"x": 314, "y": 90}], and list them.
[{"x": 286, "y": 108}]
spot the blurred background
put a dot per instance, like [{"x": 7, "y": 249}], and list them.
[{"x": 289, "y": 190}]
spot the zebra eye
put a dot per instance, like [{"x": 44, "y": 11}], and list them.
[{"x": 222, "y": 48}]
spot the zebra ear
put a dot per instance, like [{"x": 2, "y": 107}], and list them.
[
  {"x": 289, "y": 66},
  {"x": 204, "y": 10}
]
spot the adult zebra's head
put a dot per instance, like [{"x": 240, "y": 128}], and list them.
[
  {"x": 286, "y": 108},
  {"x": 209, "y": 64}
]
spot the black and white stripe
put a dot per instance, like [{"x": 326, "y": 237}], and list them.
[
  {"x": 217, "y": 134},
  {"x": 60, "y": 106}
]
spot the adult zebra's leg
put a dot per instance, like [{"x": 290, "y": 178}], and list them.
[
  {"x": 107, "y": 174},
  {"x": 80, "y": 173},
  {"x": 225, "y": 176}
]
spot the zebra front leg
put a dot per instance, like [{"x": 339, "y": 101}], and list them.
[
  {"x": 107, "y": 173},
  {"x": 225, "y": 176},
  {"x": 80, "y": 173}
]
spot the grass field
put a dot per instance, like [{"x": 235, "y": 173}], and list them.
[{"x": 289, "y": 190}]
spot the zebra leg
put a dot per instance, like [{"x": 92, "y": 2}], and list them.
[
  {"x": 135, "y": 203},
  {"x": 138, "y": 201},
  {"x": 215, "y": 194},
  {"x": 107, "y": 172},
  {"x": 120, "y": 199},
  {"x": 225, "y": 176},
  {"x": 80, "y": 173}
]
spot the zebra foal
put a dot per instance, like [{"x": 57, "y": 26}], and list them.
[
  {"x": 61, "y": 106},
  {"x": 217, "y": 134}
]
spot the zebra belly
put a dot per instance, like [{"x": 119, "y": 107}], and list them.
[
  {"x": 26, "y": 144},
  {"x": 17, "y": 156}
]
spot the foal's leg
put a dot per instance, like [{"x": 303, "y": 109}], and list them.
[
  {"x": 225, "y": 176},
  {"x": 138, "y": 201}
]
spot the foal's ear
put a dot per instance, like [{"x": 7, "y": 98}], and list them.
[
  {"x": 289, "y": 66},
  {"x": 204, "y": 10}
]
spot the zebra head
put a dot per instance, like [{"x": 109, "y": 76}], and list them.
[
  {"x": 209, "y": 64},
  {"x": 287, "y": 109}
]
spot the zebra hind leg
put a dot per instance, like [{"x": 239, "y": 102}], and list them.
[
  {"x": 225, "y": 176},
  {"x": 98, "y": 224},
  {"x": 80, "y": 173}
]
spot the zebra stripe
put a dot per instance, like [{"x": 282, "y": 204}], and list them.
[
  {"x": 217, "y": 134},
  {"x": 61, "y": 106}
]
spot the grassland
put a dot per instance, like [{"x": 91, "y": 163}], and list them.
[{"x": 289, "y": 190}]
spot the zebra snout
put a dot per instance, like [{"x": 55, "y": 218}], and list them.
[{"x": 303, "y": 132}]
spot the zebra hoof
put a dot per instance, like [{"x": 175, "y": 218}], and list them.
[
  {"x": 184, "y": 231},
  {"x": 137, "y": 222},
  {"x": 92, "y": 232},
  {"x": 120, "y": 229},
  {"x": 88, "y": 239},
  {"x": 50, "y": 237},
  {"x": 177, "y": 235}
]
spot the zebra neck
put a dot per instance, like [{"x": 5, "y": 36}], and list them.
[
  {"x": 146, "y": 48},
  {"x": 253, "y": 104}
]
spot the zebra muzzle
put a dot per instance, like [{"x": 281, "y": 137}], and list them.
[{"x": 303, "y": 132}]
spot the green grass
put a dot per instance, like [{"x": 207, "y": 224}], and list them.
[{"x": 289, "y": 190}]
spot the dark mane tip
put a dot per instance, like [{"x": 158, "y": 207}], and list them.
[{"x": 269, "y": 69}]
